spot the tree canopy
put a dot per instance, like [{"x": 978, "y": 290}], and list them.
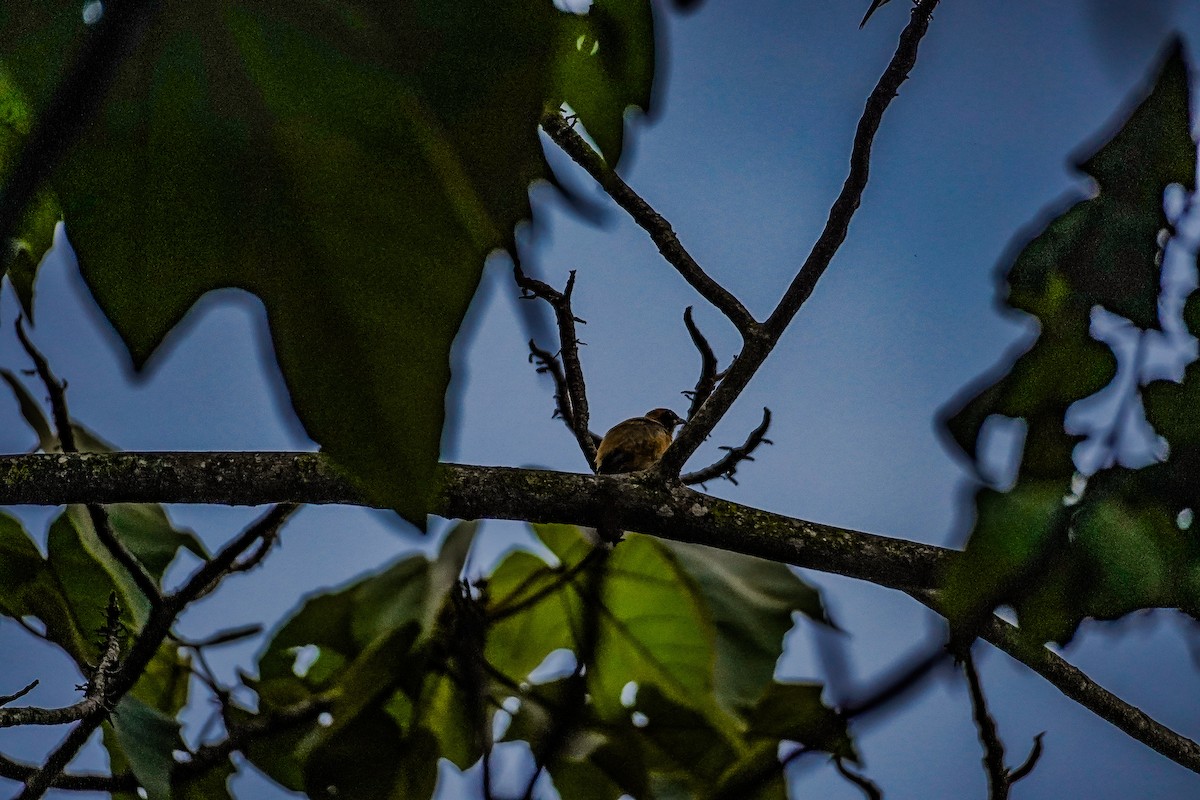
[{"x": 353, "y": 165}]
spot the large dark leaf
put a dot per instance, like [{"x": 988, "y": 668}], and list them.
[
  {"x": 23, "y": 252},
  {"x": 351, "y": 163},
  {"x": 1054, "y": 551},
  {"x": 1106, "y": 248}
]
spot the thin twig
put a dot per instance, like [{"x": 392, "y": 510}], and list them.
[
  {"x": 650, "y": 220},
  {"x": 55, "y": 388},
  {"x": 727, "y": 465},
  {"x": 99, "y": 686},
  {"x": 205, "y": 757},
  {"x": 868, "y": 787},
  {"x": 708, "y": 365},
  {"x": 568, "y": 341},
  {"x": 8, "y": 698},
  {"x": 265, "y": 528},
  {"x": 57, "y": 391},
  {"x": 989, "y": 736},
  {"x": 1035, "y": 753},
  {"x": 548, "y": 364},
  {"x": 146, "y": 644},
  {"x": 225, "y": 636},
  {"x": 759, "y": 346}
]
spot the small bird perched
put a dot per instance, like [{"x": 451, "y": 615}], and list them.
[{"x": 637, "y": 443}]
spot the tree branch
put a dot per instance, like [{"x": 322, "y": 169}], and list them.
[
  {"x": 57, "y": 390},
  {"x": 759, "y": 345},
  {"x": 727, "y": 465},
  {"x": 575, "y": 412},
  {"x": 96, "y": 698},
  {"x": 147, "y": 642},
  {"x": 77, "y": 782},
  {"x": 633, "y": 502},
  {"x": 671, "y": 511},
  {"x": 1072, "y": 682},
  {"x": 206, "y": 757},
  {"x": 650, "y": 220},
  {"x": 708, "y": 365}
]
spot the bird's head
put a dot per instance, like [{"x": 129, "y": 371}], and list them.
[{"x": 665, "y": 417}]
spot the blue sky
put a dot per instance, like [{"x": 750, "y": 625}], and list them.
[{"x": 746, "y": 150}]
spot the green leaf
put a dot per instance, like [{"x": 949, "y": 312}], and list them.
[
  {"x": 605, "y": 63},
  {"x": 1014, "y": 533},
  {"x": 369, "y": 680},
  {"x": 795, "y": 711},
  {"x": 600, "y": 759},
  {"x": 23, "y": 576},
  {"x": 751, "y": 601},
  {"x": 164, "y": 684},
  {"x": 1106, "y": 248},
  {"x": 654, "y": 627},
  {"x": 149, "y": 534},
  {"x": 350, "y": 163},
  {"x": 212, "y": 784},
  {"x": 21, "y": 255},
  {"x": 31, "y": 411},
  {"x": 86, "y": 581},
  {"x": 1126, "y": 552},
  {"x": 1064, "y": 365},
  {"x": 373, "y": 641},
  {"x": 362, "y": 762},
  {"x": 148, "y": 739},
  {"x": 453, "y": 715},
  {"x": 683, "y": 741},
  {"x": 274, "y": 754}
]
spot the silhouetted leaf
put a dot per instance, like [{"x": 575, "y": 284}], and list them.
[
  {"x": 31, "y": 411},
  {"x": 1013, "y": 535},
  {"x": 1106, "y": 248},
  {"x": 795, "y": 711},
  {"x": 352, "y": 164},
  {"x": 605, "y": 64}
]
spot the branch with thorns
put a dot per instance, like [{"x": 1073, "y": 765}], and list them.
[
  {"x": 568, "y": 380},
  {"x": 57, "y": 391},
  {"x": 147, "y": 642},
  {"x": 97, "y": 691}
]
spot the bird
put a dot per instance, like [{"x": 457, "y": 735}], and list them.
[{"x": 636, "y": 443}]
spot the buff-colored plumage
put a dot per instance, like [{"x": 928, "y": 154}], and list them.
[{"x": 637, "y": 443}]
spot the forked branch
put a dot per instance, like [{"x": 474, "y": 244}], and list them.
[{"x": 570, "y": 378}]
